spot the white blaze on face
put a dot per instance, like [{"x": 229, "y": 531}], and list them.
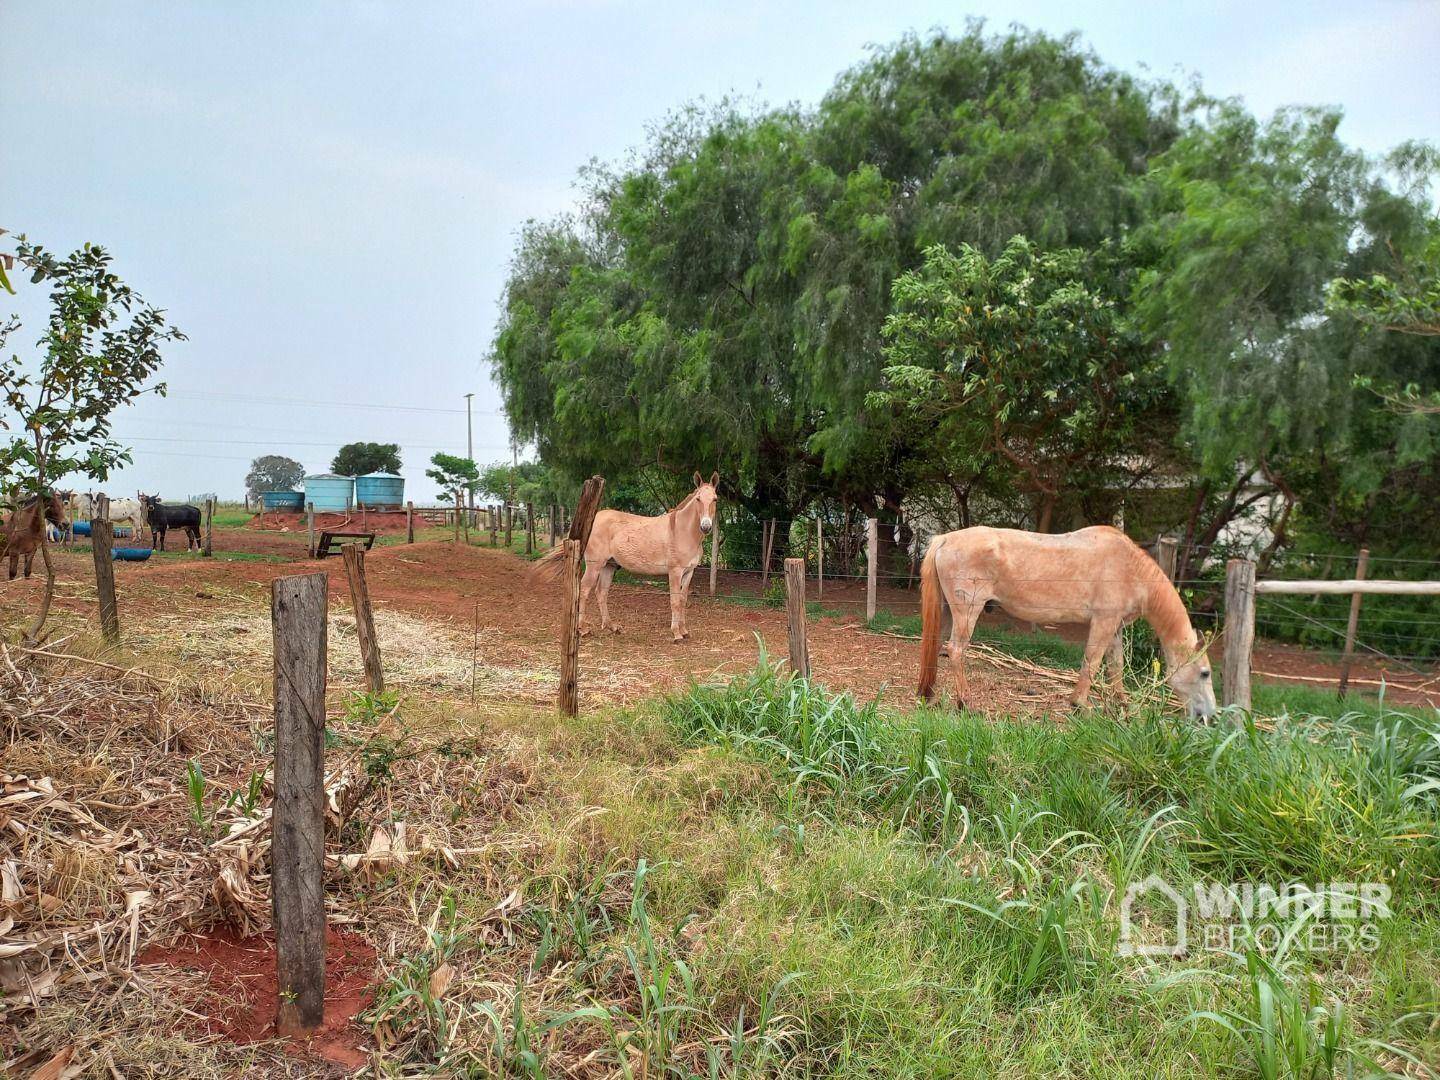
[{"x": 706, "y": 524}]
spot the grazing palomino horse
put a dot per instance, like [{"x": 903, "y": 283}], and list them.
[
  {"x": 670, "y": 544},
  {"x": 1096, "y": 575},
  {"x": 25, "y": 529}
]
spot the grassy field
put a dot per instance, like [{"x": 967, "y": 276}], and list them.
[
  {"x": 761, "y": 878},
  {"x": 792, "y": 883}
]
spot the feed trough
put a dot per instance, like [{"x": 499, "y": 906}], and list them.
[
  {"x": 131, "y": 554},
  {"x": 82, "y": 528}
]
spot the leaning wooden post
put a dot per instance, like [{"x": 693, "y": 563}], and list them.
[
  {"x": 102, "y": 535},
  {"x": 297, "y": 850},
  {"x": 310, "y": 528},
  {"x": 1239, "y": 631},
  {"x": 795, "y": 617},
  {"x": 714, "y": 553},
  {"x": 1360, "y": 565},
  {"x": 409, "y": 522},
  {"x": 819, "y": 559},
  {"x": 208, "y": 549},
  {"x": 872, "y": 558},
  {"x": 568, "y": 699},
  {"x": 364, "y": 617}
]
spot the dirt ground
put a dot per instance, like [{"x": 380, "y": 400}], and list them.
[{"x": 518, "y": 620}]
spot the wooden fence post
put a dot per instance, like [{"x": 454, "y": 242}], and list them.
[
  {"x": 1360, "y": 566},
  {"x": 310, "y": 528},
  {"x": 364, "y": 617},
  {"x": 568, "y": 699},
  {"x": 207, "y": 550},
  {"x": 409, "y": 522},
  {"x": 714, "y": 553},
  {"x": 509, "y": 525},
  {"x": 102, "y": 539},
  {"x": 768, "y": 545},
  {"x": 1239, "y": 631},
  {"x": 457, "y": 517},
  {"x": 529, "y": 528},
  {"x": 795, "y": 617},
  {"x": 872, "y": 557},
  {"x": 494, "y": 525},
  {"x": 1167, "y": 553},
  {"x": 297, "y": 852},
  {"x": 551, "y": 524},
  {"x": 819, "y": 559}
]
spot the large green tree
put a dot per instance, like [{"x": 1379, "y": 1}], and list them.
[
  {"x": 359, "y": 458},
  {"x": 1020, "y": 367},
  {"x": 718, "y": 300},
  {"x": 273, "y": 472},
  {"x": 1250, "y": 223}
]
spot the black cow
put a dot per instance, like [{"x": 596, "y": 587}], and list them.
[{"x": 171, "y": 517}]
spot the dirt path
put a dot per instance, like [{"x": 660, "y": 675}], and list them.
[{"x": 519, "y": 620}]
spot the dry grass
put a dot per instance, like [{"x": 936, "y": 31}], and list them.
[
  {"x": 420, "y": 655},
  {"x": 106, "y": 848}
]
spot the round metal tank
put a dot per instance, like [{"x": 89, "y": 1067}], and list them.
[
  {"x": 330, "y": 493},
  {"x": 282, "y": 500},
  {"x": 380, "y": 491}
]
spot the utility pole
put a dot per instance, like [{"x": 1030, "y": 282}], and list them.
[{"x": 469, "y": 453}]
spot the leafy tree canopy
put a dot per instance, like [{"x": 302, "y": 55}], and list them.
[
  {"x": 273, "y": 472},
  {"x": 101, "y": 345},
  {"x": 359, "y": 458},
  {"x": 721, "y": 298},
  {"x": 453, "y": 473}
]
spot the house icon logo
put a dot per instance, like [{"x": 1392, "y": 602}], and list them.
[{"x": 1173, "y": 944}]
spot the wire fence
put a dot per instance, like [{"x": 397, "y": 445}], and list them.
[{"x": 1400, "y": 630}]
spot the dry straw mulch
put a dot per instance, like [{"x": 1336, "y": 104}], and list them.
[{"x": 103, "y": 850}]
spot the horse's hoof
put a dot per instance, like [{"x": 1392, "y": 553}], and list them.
[
  {"x": 584, "y": 631},
  {"x": 614, "y": 629}
]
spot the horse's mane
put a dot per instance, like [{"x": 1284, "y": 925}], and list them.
[
  {"x": 684, "y": 502},
  {"x": 1164, "y": 608}
]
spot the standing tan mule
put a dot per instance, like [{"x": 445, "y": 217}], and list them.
[
  {"x": 669, "y": 545},
  {"x": 1095, "y": 575}
]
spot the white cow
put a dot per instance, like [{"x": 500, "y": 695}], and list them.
[{"x": 122, "y": 511}]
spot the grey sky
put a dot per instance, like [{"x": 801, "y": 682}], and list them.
[{"x": 325, "y": 196}]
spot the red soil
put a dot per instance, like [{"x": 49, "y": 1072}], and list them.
[
  {"x": 519, "y": 622},
  {"x": 380, "y": 522},
  {"x": 241, "y": 974}
]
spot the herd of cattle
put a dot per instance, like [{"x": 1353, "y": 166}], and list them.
[
  {"x": 31, "y": 521},
  {"x": 147, "y": 511}
]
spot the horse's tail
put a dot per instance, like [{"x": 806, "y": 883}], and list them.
[
  {"x": 930, "y": 618},
  {"x": 550, "y": 566}
]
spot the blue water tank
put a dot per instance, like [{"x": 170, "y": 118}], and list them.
[
  {"x": 291, "y": 501},
  {"x": 330, "y": 493},
  {"x": 380, "y": 491}
]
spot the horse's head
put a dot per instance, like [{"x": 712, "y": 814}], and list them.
[
  {"x": 55, "y": 504},
  {"x": 1193, "y": 684},
  {"x": 707, "y": 498}
]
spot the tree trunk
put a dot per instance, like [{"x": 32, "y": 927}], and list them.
[{"x": 1046, "y": 513}]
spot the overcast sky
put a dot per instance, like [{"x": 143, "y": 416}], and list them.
[{"x": 325, "y": 196}]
